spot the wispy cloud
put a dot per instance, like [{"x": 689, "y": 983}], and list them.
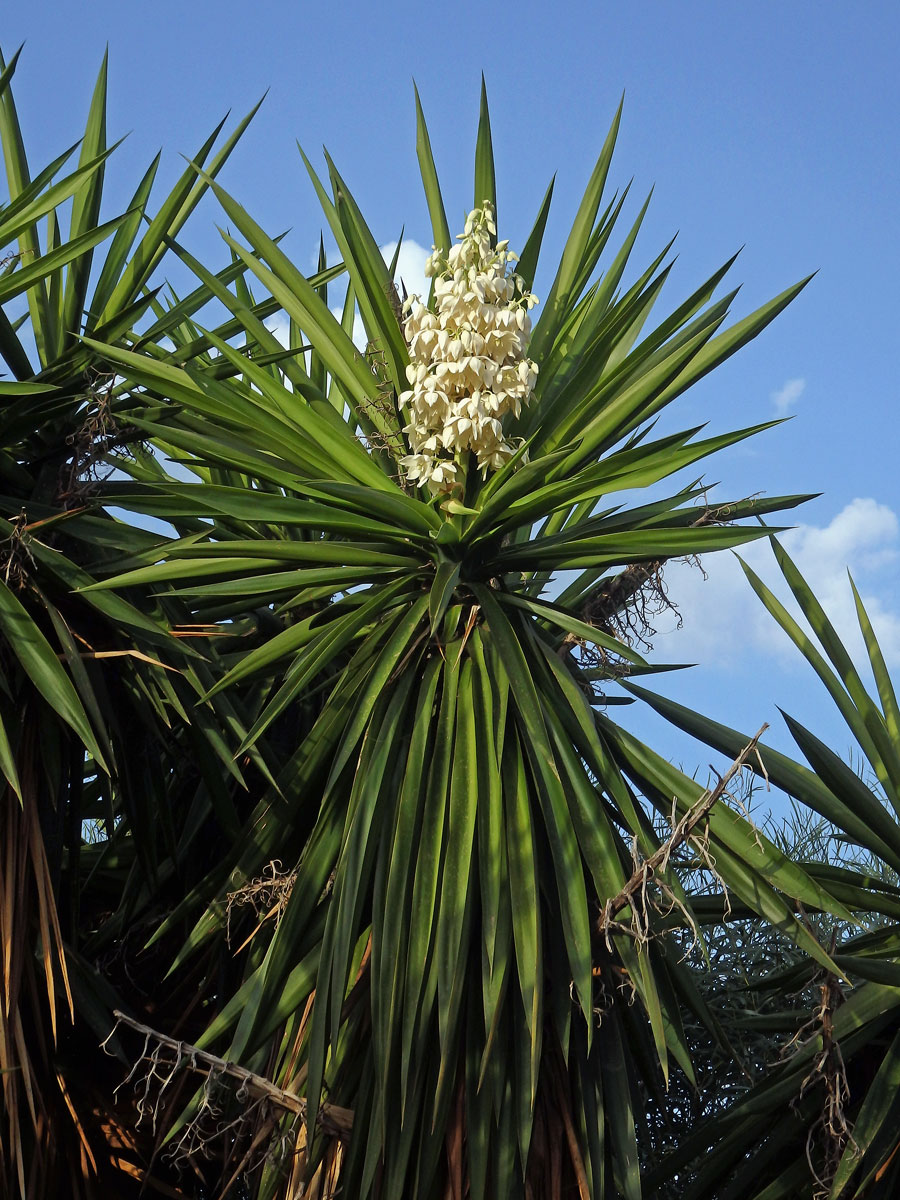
[
  {"x": 723, "y": 622},
  {"x": 788, "y": 395}
]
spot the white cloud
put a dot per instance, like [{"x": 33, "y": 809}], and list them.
[
  {"x": 280, "y": 326},
  {"x": 410, "y": 266},
  {"x": 724, "y": 622},
  {"x": 410, "y": 273},
  {"x": 788, "y": 395}
]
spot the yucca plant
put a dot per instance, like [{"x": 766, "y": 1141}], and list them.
[
  {"x": 457, "y": 954},
  {"x": 98, "y": 692},
  {"x": 823, "y": 1122}
]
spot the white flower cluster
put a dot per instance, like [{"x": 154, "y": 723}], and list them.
[{"x": 467, "y": 357}]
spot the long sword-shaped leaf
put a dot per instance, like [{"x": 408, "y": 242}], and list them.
[
  {"x": 784, "y": 773},
  {"x": 846, "y": 690},
  {"x": 44, "y": 265},
  {"x": 86, "y": 204},
  {"x": 44, "y": 671},
  {"x": 559, "y": 298},
  {"x": 440, "y": 230},
  {"x": 175, "y": 210},
  {"x": 485, "y": 177},
  {"x": 528, "y": 260}
]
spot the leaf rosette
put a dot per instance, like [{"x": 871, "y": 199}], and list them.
[{"x": 383, "y": 533}]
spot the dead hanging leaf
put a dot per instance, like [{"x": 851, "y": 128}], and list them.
[
  {"x": 454, "y": 1144},
  {"x": 48, "y": 923},
  {"x": 29, "y": 924},
  {"x": 154, "y": 662},
  {"x": 44, "y": 522},
  {"x": 200, "y": 631},
  {"x": 882, "y": 1170},
  {"x": 87, "y": 1153},
  {"x": 561, "y": 1091},
  {"x": 138, "y": 1173}
]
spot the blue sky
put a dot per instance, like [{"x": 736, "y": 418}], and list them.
[{"x": 771, "y": 125}]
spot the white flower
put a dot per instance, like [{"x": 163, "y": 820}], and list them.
[
  {"x": 417, "y": 467},
  {"x": 467, "y": 357}
]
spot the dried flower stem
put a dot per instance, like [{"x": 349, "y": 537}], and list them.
[
  {"x": 337, "y": 1121},
  {"x": 681, "y": 832}
]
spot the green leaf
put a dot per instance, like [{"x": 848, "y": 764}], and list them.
[
  {"x": 485, "y": 180},
  {"x": 446, "y": 578},
  {"x": 566, "y": 552},
  {"x": 727, "y": 343},
  {"x": 890, "y": 708},
  {"x": 175, "y": 210},
  {"x": 326, "y": 638},
  {"x": 39, "y": 268},
  {"x": 846, "y": 785},
  {"x": 18, "y": 178},
  {"x": 528, "y": 260},
  {"x": 7, "y": 71},
  {"x": 781, "y": 772},
  {"x": 881, "y": 751},
  {"x": 8, "y": 759},
  {"x": 302, "y": 303},
  {"x": 557, "y": 303},
  {"x": 618, "y": 1108},
  {"x": 120, "y": 248},
  {"x": 44, "y": 671},
  {"x": 86, "y": 204},
  {"x": 439, "y": 227},
  {"x": 458, "y": 876},
  {"x": 37, "y": 200},
  {"x": 373, "y": 286},
  {"x": 879, "y": 1106},
  {"x": 420, "y": 967},
  {"x": 524, "y": 890},
  {"x": 391, "y": 918}
]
